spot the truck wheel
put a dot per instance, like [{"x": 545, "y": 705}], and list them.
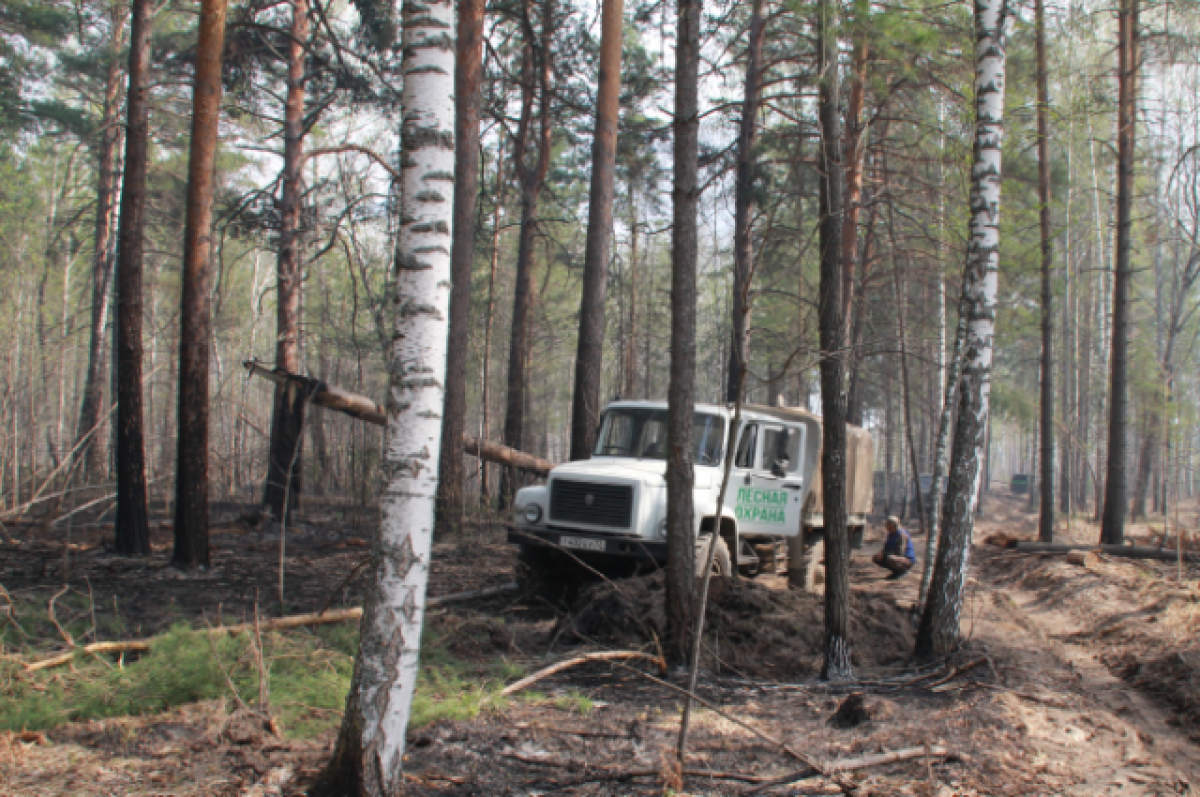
[
  {"x": 814, "y": 565},
  {"x": 722, "y": 563},
  {"x": 542, "y": 573}
]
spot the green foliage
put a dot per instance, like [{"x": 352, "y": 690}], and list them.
[{"x": 309, "y": 676}]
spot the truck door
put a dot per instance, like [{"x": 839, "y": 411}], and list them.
[{"x": 767, "y": 482}]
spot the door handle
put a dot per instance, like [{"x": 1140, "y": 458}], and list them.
[{"x": 792, "y": 485}]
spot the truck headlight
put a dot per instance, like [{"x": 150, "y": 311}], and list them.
[
  {"x": 662, "y": 529},
  {"x": 533, "y": 513}
]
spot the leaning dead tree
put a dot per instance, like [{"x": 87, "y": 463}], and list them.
[{"x": 365, "y": 409}]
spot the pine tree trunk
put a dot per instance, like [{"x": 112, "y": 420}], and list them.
[
  {"x": 854, "y": 154},
  {"x": 938, "y": 633},
  {"x": 589, "y": 357},
  {"x": 629, "y": 380},
  {"x": 468, "y": 75},
  {"x": 1116, "y": 493},
  {"x": 133, "y": 523},
  {"x": 1046, "y": 517},
  {"x": 369, "y": 753},
  {"x": 485, "y": 401},
  {"x": 681, "y": 390},
  {"x": 282, "y": 490},
  {"x": 1145, "y": 466},
  {"x": 837, "y": 666},
  {"x": 745, "y": 206},
  {"x": 535, "y": 87},
  {"x": 195, "y": 313},
  {"x": 92, "y": 412}
]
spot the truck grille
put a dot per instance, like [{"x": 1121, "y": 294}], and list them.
[{"x": 595, "y": 504}]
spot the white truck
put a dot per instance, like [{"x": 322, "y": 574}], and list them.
[{"x": 610, "y": 512}]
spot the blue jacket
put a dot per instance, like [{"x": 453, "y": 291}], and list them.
[{"x": 897, "y": 541}]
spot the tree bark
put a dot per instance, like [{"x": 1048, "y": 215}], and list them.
[
  {"x": 133, "y": 523},
  {"x": 589, "y": 357},
  {"x": 369, "y": 753},
  {"x": 1145, "y": 466},
  {"x": 468, "y": 75},
  {"x": 91, "y": 410},
  {"x": 938, "y": 633},
  {"x": 535, "y": 86},
  {"x": 902, "y": 332},
  {"x": 485, "y": 401},
  {"x": 745, "y": 205},
  {"x": 1116, "y": 493},
  {"x": 1046, "y": 517},
  {"x": 629, "y": 380},
  {"x": 681, "y": 390},
  {"x": 284, "y": 482},
  {"x": 854, "y": 160},
  {"x": 195, "y": 321},
  {"x": 837, "y": 666}
]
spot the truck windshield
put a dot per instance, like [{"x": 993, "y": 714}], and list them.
[{"x": 642, "y": 433}]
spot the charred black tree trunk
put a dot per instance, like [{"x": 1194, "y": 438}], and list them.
[
  {"x": 1046, "y": 519},
  {"x": 1116, "y": 494},
  {"x": 282, "y": 490},
  {"x": 133, "y": 524}
]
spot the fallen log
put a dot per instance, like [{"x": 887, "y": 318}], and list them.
[
  {"x": 278, "y": 624},
  {"x": 364, "y": 409},
  {"x": 503, "y": 455},
  {"x": 1124, "y": 551}
]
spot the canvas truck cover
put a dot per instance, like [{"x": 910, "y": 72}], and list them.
[{"x": 860, "y": 462}]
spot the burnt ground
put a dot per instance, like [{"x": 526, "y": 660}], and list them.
[{"x": 1079, "y": 680}]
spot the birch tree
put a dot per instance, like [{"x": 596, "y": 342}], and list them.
[
  {"x": 368, "y": 757},
  {"x": 938, "y": 632}
]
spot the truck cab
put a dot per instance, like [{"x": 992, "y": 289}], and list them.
[{"x": 608, "y": 514}]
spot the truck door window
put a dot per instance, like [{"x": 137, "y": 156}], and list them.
[
  {"x": 746, "y": 447},
  {"x": 654, "y": 440},
  {"x": 781, "y": 445}
]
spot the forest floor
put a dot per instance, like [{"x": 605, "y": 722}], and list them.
[{"x": 1077, "y": 680}]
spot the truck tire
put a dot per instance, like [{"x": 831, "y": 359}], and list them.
[
  {"x": 814, "y": 565},
  {"x": 544, "y": 573},
  {"x": 722, "y": 563}
]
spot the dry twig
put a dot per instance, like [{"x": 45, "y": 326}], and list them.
[{"x": 607, "y": 655}]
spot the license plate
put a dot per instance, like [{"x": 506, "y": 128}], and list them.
[{"x": 582, "y": 543}]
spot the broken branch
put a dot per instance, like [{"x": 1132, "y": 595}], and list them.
[{"x": 607, "y": 655}]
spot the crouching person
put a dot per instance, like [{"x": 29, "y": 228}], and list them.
[{"x": 898, "y": 555}]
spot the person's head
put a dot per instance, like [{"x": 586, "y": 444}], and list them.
[{"x": 892, "y": 523}]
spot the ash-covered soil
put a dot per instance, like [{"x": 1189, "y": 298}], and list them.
[{"x": 1068, "y": 684}]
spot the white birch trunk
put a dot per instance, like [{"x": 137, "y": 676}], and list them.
[
  {"x": 939, "y": 631},
  {"x": 369, "y": 754}
]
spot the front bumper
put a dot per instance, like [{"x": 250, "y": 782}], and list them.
[{"x": 579, "y": 543}]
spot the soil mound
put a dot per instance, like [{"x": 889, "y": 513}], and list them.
[{"x": 751, "y": 629}]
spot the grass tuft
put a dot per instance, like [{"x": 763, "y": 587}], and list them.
[{"x": 309, "y": 675}]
